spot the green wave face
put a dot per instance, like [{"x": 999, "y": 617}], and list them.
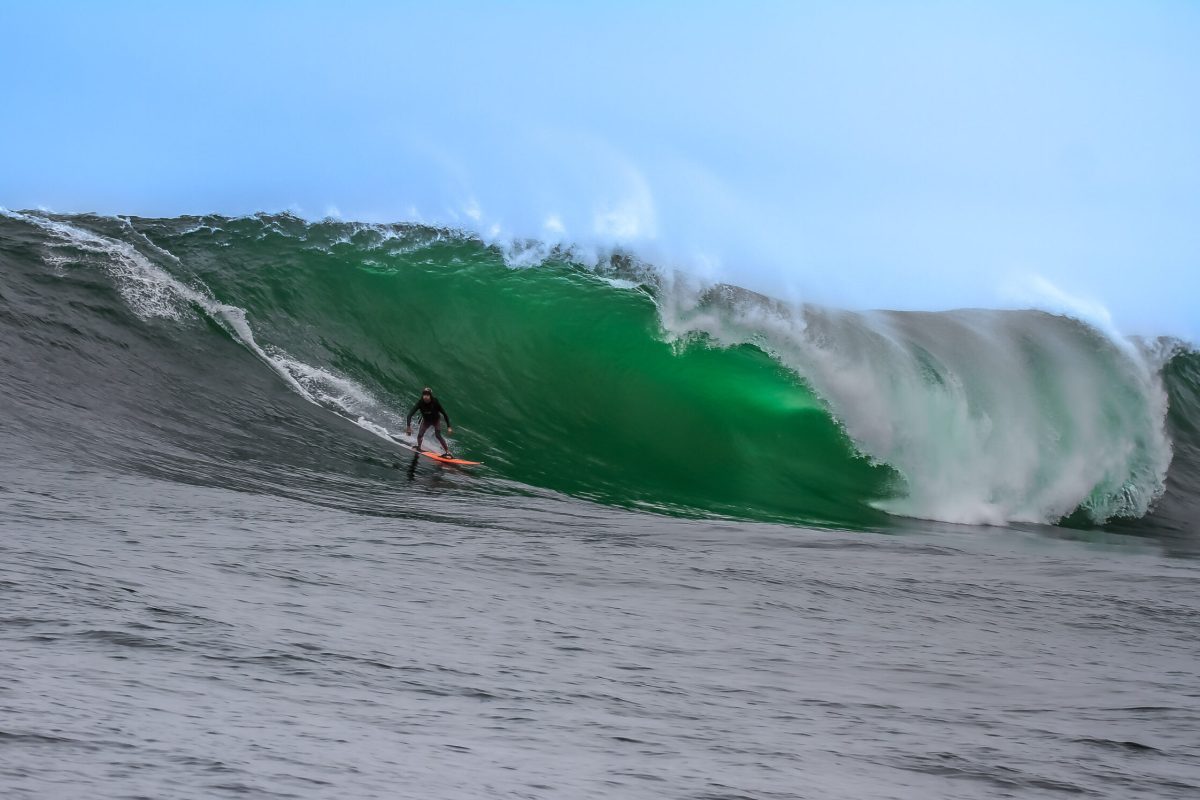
[{"x": 554, "y": 377}]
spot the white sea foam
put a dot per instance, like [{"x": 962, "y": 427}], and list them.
[{"x": 990, "y": 417}]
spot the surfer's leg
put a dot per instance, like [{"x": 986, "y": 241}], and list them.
[
  {"x": 437, "y": 431},
  {"x": 421, "y": 433}
]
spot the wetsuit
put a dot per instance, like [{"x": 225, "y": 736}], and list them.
[{"x": 429, "y": 418}]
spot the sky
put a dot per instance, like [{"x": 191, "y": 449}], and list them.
[{"x": 919, "y": 155}]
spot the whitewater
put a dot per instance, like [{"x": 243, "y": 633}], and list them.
[{"x": 724, "y": 546}]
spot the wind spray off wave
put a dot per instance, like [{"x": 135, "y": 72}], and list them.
[{"x": 989, "y": 416}]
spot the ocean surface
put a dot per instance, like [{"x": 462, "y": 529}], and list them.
[{"x": 721, "y": 546}]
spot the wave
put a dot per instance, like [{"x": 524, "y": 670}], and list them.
[{"x": 610, "y": 379}]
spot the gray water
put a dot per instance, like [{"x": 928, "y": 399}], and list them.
[{"x": 166, "y": 640}]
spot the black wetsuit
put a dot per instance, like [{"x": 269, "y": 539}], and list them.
[{"x": 429, "y": 418}]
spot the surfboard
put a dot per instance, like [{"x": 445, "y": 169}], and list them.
[{"x": 438, "y": 457}]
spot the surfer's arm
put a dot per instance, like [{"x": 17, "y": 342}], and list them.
[
  {"x": 445, "y": 416},
  {"x": 408, "y": 421}
]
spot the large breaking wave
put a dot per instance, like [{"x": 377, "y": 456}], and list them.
[{"x": 614, "y": 380}]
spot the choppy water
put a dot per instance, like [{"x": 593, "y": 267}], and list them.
[{"x": 162, "y": 640}]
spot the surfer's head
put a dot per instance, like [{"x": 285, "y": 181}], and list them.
[{"x": 426, "y": 392}]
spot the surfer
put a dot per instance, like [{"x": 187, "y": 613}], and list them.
[{"x": 430, "y": 408}]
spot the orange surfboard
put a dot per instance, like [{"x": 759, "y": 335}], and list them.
[{"x": 438, "y": 457}]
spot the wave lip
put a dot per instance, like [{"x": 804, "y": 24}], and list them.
[{"x": 988, "y": 417}]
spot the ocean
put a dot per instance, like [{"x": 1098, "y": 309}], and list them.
[{"x": 721, "y": 546}]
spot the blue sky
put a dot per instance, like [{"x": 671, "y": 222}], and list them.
[{"x": 910, "y": 155}]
